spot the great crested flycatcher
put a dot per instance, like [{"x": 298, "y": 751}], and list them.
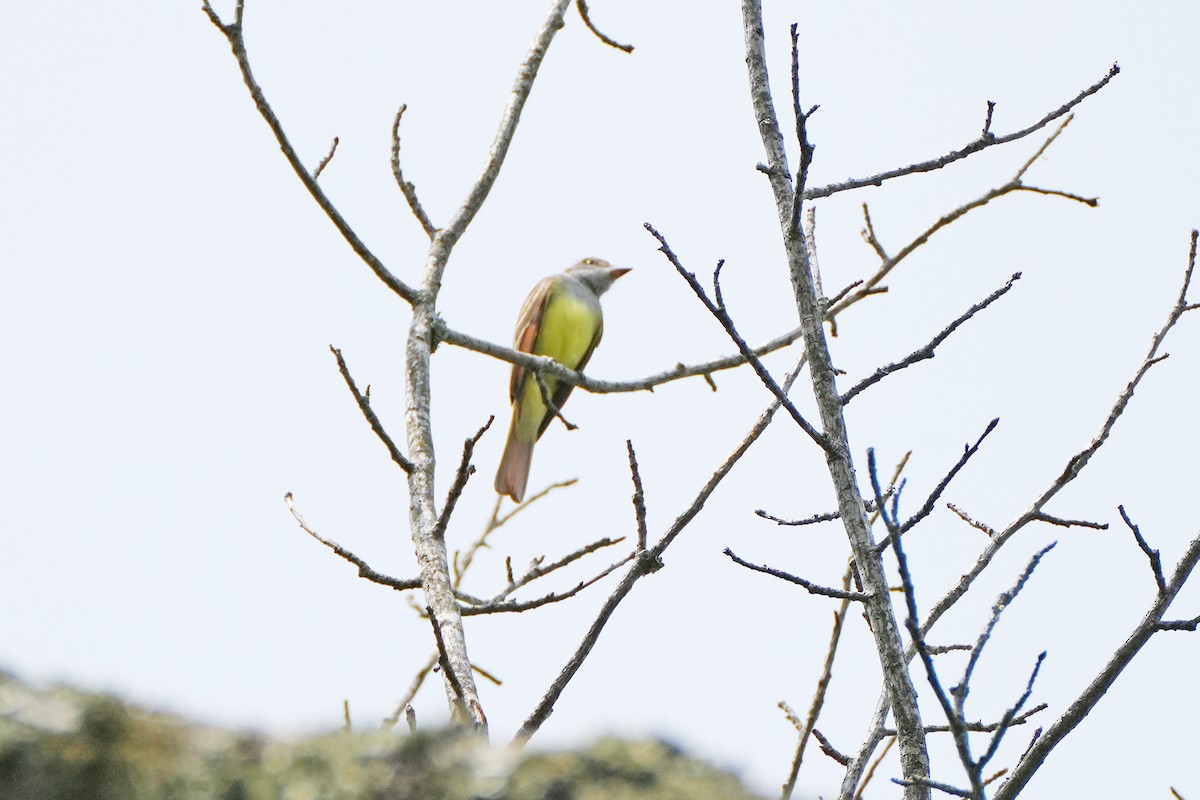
[{"x": 561, "y": 319}]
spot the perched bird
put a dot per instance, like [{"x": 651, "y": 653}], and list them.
[{"x": 561, "y": 319}]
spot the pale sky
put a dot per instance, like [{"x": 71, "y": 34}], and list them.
[{"x": 169, "y": 292}]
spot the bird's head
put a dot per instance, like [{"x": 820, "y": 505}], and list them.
[{"x": 597, "y": 273}]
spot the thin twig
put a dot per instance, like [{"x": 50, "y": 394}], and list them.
[
  {"x": 364, "y": 570},
  {"x": 1014, "y": 184},
  {"x": 1077, "y": 462},
  {"x": 932, "y": 784},
  {"x": 827, "y": 516},
  {"x": 406, "y": 187},
  {"x": 639, "y": 497},
  {"x": 927, "y": 352},
  {"x": 818, "y": 701},
  {"x": 444, "y": 661},
  {"x": 539, "y": 570},
  {"x": 465, "y": 470},
  {"x": 828, "y": 749},
  {"x": 325, "y": 161},
  {"x": 1087, "y": 700},
  {"x": 647, "y": 562},
  {"x": 987, "y": 529},
  {"x": 957, "y": 728},
  {"x": 985, "y": 140},
  {"x": 874, "y": 766},
  {"x": 1153, "y": 555},
  {"x": 587, "y": 20},
  {"x": 364, "y": 405},
  {"x": 1050, "y": 519},
  {"x": 999, "y": 538},
  {"x": 721, "y": 315},
  {"x": 980, "y": 727},
  {"x": 514, "y": 606},
  {"x": 812, "y": 588},
  {"x": 415, "y": 686},
  {"x": 1010, "y": 714},
  {"x": 927, "y": 507},
  {"x": 233, "y": 33}
]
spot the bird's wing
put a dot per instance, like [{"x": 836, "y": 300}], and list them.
[{"x": 528, "y": 322}]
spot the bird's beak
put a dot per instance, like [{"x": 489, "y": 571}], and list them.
[{"x": 616, "y": 272}]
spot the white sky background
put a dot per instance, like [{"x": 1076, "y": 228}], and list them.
[{"x": 169, "y": 291}]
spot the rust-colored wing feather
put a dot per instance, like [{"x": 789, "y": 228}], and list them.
[{"x": 528, "y": 322}]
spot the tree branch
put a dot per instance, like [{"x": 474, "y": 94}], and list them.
[
  {"x": 1075, "y": 713},
  {"x": 985, "y": 140},
  {"x": 406, "y": 187},
  {"x": 233, "y": 32},
  {"x": 927, "y": 352},
  {"x": 647, "y": 562},
  {"x": 914, "y": 757}
]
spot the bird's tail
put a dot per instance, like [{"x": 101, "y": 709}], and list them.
[{"x": 513, "y": 473}]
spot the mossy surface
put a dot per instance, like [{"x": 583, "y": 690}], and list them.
[{"x": 58, "y": 744}]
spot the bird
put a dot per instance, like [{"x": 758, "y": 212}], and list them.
[{"x": 561, "y": 318}]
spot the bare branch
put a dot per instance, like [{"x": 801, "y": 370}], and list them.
[
  {"x": 1002, "y": 602},
  {"x": 914, "y": 756},
  {"x": 325, "y": 161},
  {"x": 999, "y": 538},
  {"x": 932, "y": 784},
  {"x": 537, "y": 570},
  {"x": 931, "y": 501},
  {"x": 647, "y": 561},
  {"x": 233, "y": 33},
  {"x": 406, "y": 187},
  {"x": 1076, "y": 463},
  {"x": 828, "y": 749},
  {"x": 812, "y": 588},
  {"x": 957, "y": 728},
  {"x": 548, "y": 366},
  {"x": 448, "y": 236},
  {"x": 719, "y": 312},
  {"x": 436, "y": 580},
  {"x": 1179, "y": 624},
  {"x": 1050, "y": 519},
  {"x": 1153, "y": 555},
  {"x": 828, "y": 516},
  {"x": 1011, "y": 714},
  {"x": 551, "y": 406},
  {"x": 404, "y": 704},
  {"x": 364, "y": 405},
  {"x": 987, "y": 529},
  {"x": 980, "y": 727},
  {"x": 818, "y": 701},
  {"x": 871, "y": 284},
  {"x": 587, "y": 20},
  {"x": 1086, "y": 701},
  {"x": 461, "y": 565},
  {"x": 512, "y": 606},
  {"x": 460, "y": 699},
  {"x": 874, "y": 766},
  {"x": 639, "y": 497},
  {"x": 364, "y": 570},
  {"x": 987, "y": 122},
  {"x": 985, "y": 140},
  {"x": 927, "y": 352},
  {"x": 868, "y": 234},
  {"x": 465, "y": 470}
]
